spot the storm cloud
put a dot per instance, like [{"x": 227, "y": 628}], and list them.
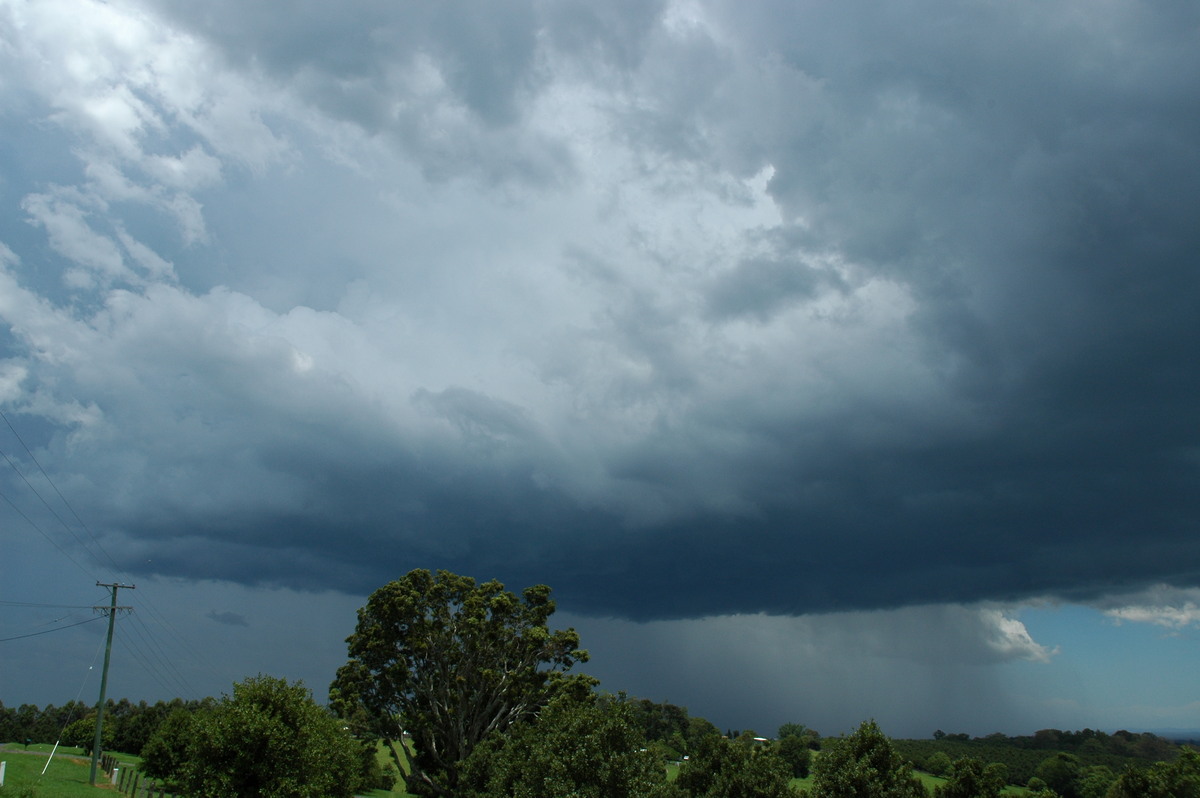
[
  {"x": 690, "y": 309},
  {"x": 904, "y": 302}
]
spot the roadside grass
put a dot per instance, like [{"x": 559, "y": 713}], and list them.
[{"x": 66, "y": 777}]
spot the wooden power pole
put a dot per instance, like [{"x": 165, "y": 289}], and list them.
[{"x": 111, "y": 611}]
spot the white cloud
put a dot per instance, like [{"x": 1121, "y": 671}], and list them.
[
  {"x": 72, "y": 236},
  {"x": 1171, "y": 608},
  {"x": 1009, "y": 638}
]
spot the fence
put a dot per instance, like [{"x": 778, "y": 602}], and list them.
[{"x": 131, "y": 783}]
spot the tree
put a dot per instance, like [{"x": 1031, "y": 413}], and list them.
[
  {"x": 582, "y": 748},
  {"x": 810, "y": 736},
  {"x": 1061, "y": 773},
  {"x": 970, "y": 778},
  {"x": 1094, "y": 781},
  {"x": 270, "y": 739},
  {"x": 1178, "y": 779},
  {"x": 165, "y": 754},
  {"x": 939, "y": 763},
  {"x": 864, "y": 764},
  {"x": 449, "y": 662},
  {"x": 82, "y": 734},
  {"x": 792, "y": 730},
  {"x": 723, "y": 768},
  {"x": 794, "y": 750}
]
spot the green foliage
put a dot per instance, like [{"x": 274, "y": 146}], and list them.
[
  {"x": 1022, "y": 755},
  {"x": 127, "y": 726},
  {"x": 723, "y": 768},
  {"x": 1178, "y": 779},
  {"x": 669, "y": 725},
  {"x": 794, "y": 750},
  {"x": 165, "y": 752},
  {"x": 1061, "y": 774},
  {"x": 810, "y": 737},
  {"x": 373, "y": 774},
  {"x": 1095, "y": 781},
  {"x": 970, "y": 778},
  {"x": 270, "y": 739},
  {"x": 450, "y": 661},
  {"x": 939, "y": 764},
  {"x": 584, "y": 749},
  {"x": 82, "y": 734},
  {"x": 864, "y": 765}
]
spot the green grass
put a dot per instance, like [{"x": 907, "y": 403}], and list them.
[
  {"x": 385, "y": 761},
  {"x": 67, "y": 776}
]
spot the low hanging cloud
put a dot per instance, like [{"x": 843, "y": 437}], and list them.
[
  {"x": 227, "y": 618},
  {"x": 685, "y": 309},
  {"x": 1175, "y": 609}
]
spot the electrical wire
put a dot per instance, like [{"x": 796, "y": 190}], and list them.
[
  {"x": 43, "y": 533},
  {"x": 50, "y": 606},
  {"x": 152, "y": 651},
  {"x": 48, "y": 631},
  {"x": 67, "y": 504},
  {"x": 155, "y": 646}
]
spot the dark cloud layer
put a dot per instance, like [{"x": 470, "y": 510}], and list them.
[{"x": 989, "y": 211}]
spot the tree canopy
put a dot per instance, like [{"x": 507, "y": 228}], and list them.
[
  {"x": 864, "y": 764},
  {"x": 724, "y": 768},
  {"x": 450, "y": 661},
  {"x": 269, "y": 739},
  {"x": 970, "y": 778},
  {"x": 1178, "y": 779},
  {"x": 581, "y": 748}
]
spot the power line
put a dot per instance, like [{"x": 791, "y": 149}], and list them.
[
  {"x": 48, "y": 631},
  {"x": 43, "y": 533},
  {"x": 46, "y": 606},
  {"x": 46, "y": 504},
  {"x": 154, "y": 651},
  {"x": 62, "y": 498},
  {"x": 154, "y": 648}
]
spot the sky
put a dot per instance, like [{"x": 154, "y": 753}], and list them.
[{"x": 829, "y": 361}]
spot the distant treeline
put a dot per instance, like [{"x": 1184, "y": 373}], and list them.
[
  {"x": 127, "y": 726},
  {"x": 1023, "y": 754},
  {"x": 667, "y": 725}
]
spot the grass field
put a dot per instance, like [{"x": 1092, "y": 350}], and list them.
[
  {"x": 385, "y": 762},
  {"x": 66, "y": 777}
]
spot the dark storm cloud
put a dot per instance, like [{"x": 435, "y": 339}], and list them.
[
  {"x": 960, "y": 365},
  {"x": 227, "y": 618}
]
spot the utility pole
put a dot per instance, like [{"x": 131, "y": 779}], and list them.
[{"x": 111, "y": 611}]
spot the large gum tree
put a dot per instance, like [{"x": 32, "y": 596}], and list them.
[{"x": 448, "y": 661}]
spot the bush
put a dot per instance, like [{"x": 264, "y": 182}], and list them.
[
  {"x": 270, "y": 739},
  {"x": 576, "y": 747},
  {"x": 865, "y": 763}
]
